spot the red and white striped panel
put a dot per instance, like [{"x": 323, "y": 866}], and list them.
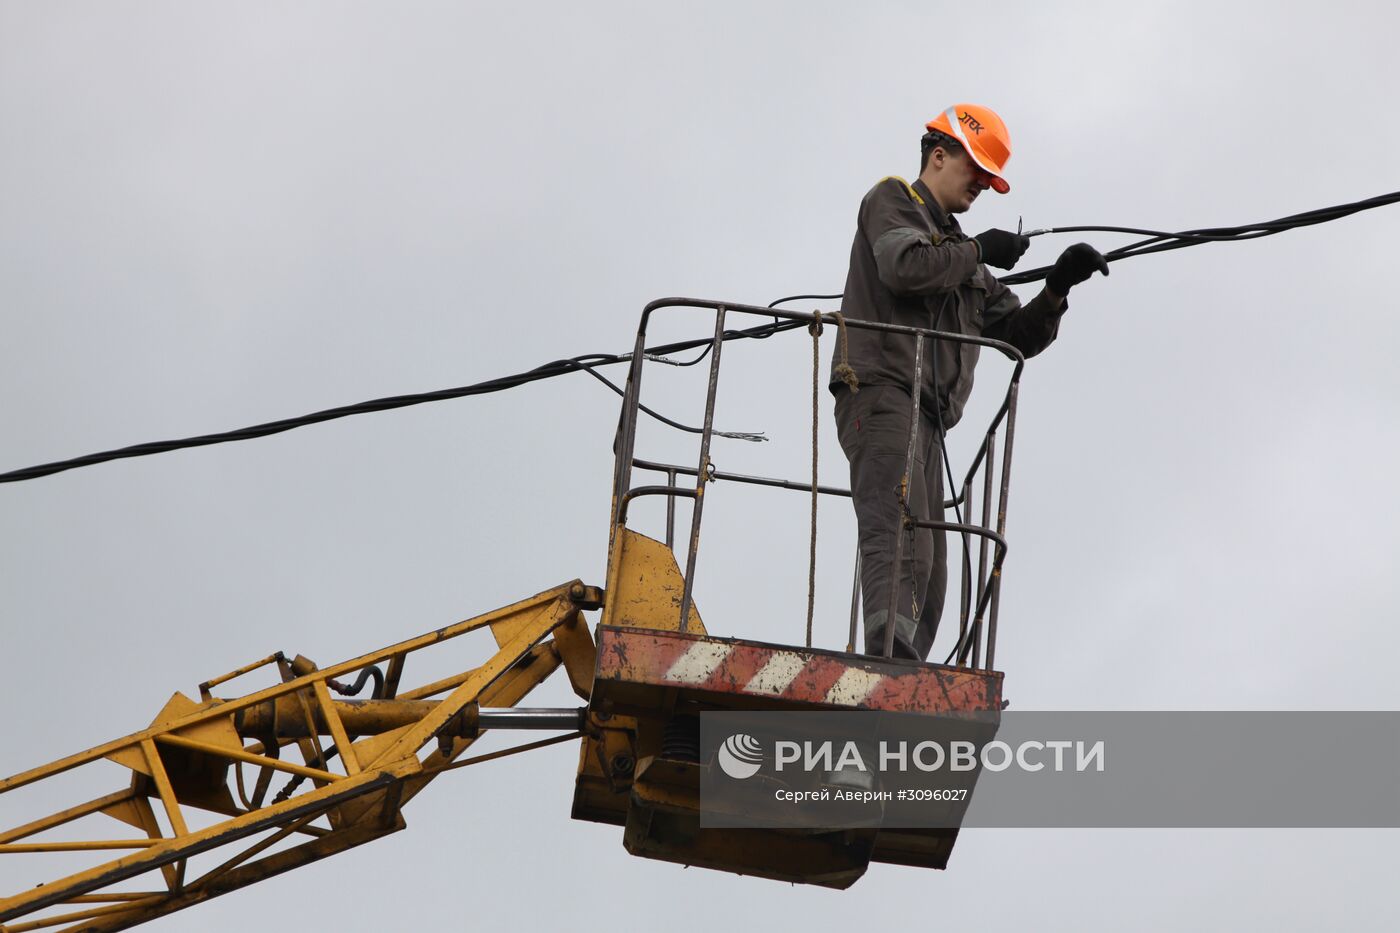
[{"x": 670, "y": 659}]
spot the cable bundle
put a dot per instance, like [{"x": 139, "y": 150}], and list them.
[{"x": 1157, "y": 241}]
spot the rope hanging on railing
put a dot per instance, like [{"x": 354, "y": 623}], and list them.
[
  {"x": 815, "y": 329},
  {"x": 843, "y": 370}
]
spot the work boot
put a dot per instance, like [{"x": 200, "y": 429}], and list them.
[{"x": 904, "y": 632}]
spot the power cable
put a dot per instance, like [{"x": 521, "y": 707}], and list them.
[
  {"x": 1157, "y": 241},
  {"x": 585, "y": 363}
]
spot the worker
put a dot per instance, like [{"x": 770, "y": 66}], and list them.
[{"x": 912, "y": 265}]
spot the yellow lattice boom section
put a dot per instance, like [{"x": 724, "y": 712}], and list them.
[{"x": 189, "y": 765}]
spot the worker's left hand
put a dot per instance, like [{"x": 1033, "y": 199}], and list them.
[{"x": 1074, "y": 266}]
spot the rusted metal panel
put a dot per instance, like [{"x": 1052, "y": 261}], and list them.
[
  {"x": 645, "y": 586},
  {"x": 801, "y": 677},
  {"x": 644, "y": 676}
]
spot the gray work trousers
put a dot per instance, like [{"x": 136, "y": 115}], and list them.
[{"x": 873, "y": 427}]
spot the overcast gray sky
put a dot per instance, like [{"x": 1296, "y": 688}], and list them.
[{"x": 214, "y": 215}]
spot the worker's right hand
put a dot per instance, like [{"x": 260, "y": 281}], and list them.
[{"x": 1001, "y": 248}]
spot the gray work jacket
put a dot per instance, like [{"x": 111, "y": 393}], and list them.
[{"x": 911, "y": 264}]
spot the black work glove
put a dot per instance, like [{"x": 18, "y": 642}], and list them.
[
  {"x": 1001, "y": 248},
  {"x": 1074, "y": 266}
]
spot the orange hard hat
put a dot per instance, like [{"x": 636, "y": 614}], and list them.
[{"x": 982, "y": 134}]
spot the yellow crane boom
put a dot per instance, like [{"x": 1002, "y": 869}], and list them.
[{"x": 336, "y": 799}]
